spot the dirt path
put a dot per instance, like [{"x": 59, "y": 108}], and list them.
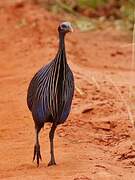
[{"x": 96, "y": 141}]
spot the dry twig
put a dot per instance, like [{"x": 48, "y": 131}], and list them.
[
  {"x": 79, "y": 91},
  {"x": 95, "y": 82},
  {"x": 133, "y": 60}
]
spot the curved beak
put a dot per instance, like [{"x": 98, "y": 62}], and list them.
[{"x": 70, "y": 28}]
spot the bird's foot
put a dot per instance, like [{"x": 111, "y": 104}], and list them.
[
  {"x": 37, "y": 154},
  {"x": 52, "y": 162}
]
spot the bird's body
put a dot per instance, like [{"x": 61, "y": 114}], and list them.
[{"x": 50, "y": 94}]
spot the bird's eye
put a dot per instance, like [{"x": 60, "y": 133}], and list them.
[{"x": 63, "y": 26}]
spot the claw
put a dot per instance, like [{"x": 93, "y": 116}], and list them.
[
  {"x": 37, "y": 154},
  {"x": 51, "y": 163}
]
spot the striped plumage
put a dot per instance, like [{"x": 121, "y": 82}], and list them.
[{"x": 50, "y": 93}]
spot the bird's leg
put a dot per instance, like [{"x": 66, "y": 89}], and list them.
[
  {"x": 51, "y": 136},
  {"x": 37, "y": 154}
]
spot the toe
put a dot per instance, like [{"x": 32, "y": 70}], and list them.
[
  {"x": 51, "y": 163},
  {"x": 37, "y": 154}
]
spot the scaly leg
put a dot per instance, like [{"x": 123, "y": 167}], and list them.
[
  {"x": 51, "y": 136},
  {"x": 37, "y": 154}
]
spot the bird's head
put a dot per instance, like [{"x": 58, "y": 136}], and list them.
[{"x": 65, "y": 27}]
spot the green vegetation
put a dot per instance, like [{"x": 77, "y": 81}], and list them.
[
  {"x": 91, "y": 3},
  {"x": 87, "y": 12}
]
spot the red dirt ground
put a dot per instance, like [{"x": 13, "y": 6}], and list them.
[{"x": 97, "y": 140}]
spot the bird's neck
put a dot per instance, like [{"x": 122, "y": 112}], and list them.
[
  {"x": 61, "y": 50},
  {"x": 60, "y": 59},
  {"x": 61, "y": 41}
]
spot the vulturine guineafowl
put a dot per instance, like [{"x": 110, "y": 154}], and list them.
[{"x": 50, "y": 94}]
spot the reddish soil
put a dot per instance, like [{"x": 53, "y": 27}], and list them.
[{"x": 97, "y": 140}]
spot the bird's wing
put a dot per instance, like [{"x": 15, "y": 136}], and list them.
[
  {"x": 68, "y": 96},
  {"x": 35, "y": 83}
]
